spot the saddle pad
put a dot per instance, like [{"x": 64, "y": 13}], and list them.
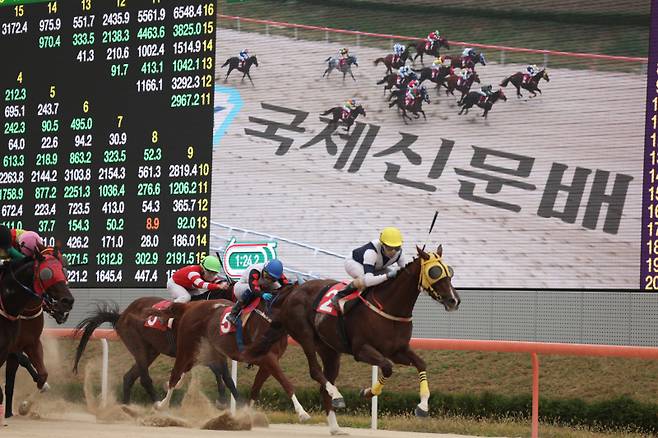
[
  {"x": 155, "y": 322},
  {"x": 162, "y": 305},
  {"x": 225, "y": 327},
  {"x": 325, "y": 305}
]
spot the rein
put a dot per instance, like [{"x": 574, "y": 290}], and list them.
[{"x": 11, "y": 317}]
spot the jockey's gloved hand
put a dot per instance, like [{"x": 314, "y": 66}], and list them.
[
  {"x": 267, "y": 296},
  {"x": 392, "y": 272}
]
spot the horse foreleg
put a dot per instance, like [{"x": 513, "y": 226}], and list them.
[
  {"x": 10, "y": 380},
  {"x": 409, "y": 357},
  {"x": 36, "y": 366},
  {"x": 423, "y": 113},
  {"x": 369, "y": 354},
  {"x": 274, "y": 367}
]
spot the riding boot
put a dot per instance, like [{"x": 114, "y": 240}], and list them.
[
  {"x": 235, "y": 311},
  {"x": 342, "y": 294}
]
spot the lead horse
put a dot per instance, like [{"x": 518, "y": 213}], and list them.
[{"x": 377, "y": 332}]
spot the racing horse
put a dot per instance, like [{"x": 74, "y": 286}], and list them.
[
  {"x": 135, "y": 329},
  {"x": 27, "y": 284},
  {"x": 455, "y": 82},
  {"x": 391, "y": 62},
  {"x": 377, "y": 332},
  {"x": 234, "y": 64},
  {"x": 344, "y": 67},
  {"x": 416, "y": 106},
  {"x": 421, "y": 48},
  {"x": 438, "y": 76},
  {"x": 467, "y": 61},
  {"x": 391, "y": 80},
  {"x": 532, "y": 85},
  {"x": 476, "y": 98},
  {"x": 338, "y": 116},
  {"x": 207, "y": 320}
]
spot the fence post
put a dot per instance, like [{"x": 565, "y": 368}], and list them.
[
  {"x": 234, "y": 377},
  {"x": 238, "y": 23},
  {"x": 502, "y": 57},
  {"x": 373, "y": 401},
  {"x": 358, "y": 39},
  {"x": 296, "y": 33},
  {"x": 267, "y": 30},
  {"x": 545, "y": 59},
  {"x": 326, "y": 36},
  {"x": 535, "y": 396},
  {"x": 104, "y": 372}
]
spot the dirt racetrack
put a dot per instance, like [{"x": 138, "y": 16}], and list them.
[{"x": 87, "y": 427}]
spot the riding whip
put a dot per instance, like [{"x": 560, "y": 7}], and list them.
[{"x": 436, "y": 214}]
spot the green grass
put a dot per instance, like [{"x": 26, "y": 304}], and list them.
[{"x": 624, "y": 40}]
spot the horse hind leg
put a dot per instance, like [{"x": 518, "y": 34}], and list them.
[
  {"x": 274, "y": 368},
  {"x": 10, "y": 380},
  {"x": 331, "y": 367}
]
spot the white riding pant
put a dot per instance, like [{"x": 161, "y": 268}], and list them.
[
  {"x": 355, "y": 270},
  {"x": 239, "y": 290},
  {"x": 179, "y": 293}
]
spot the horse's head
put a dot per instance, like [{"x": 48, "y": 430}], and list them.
[
  {"x": 50, "y": 282},
  {"x": 475, "y": 77},
  {"x": 544, "y": 74},
  {"x": 253, "y": 60},
  {"x": 359, "y": 110},
  {"x": 480, "y": 58},
  {"x": 352, "y": 60},
  {"x": 443, "y": 41},
  {"x": 424, "y": 94},
  {"x": 501, "y": 94},
  {"x": 436, "y": 279}
]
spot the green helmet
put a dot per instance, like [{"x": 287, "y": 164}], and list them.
[{"x": 211, "y": 263}]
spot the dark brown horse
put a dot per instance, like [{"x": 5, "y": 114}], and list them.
[
  {"x": 234, "y": 64},
  {"x": 144, "y": 343},
  {"x": 391, "y": 81},
  {"x": 376, "y": 332},
  {"x": 455, "y": 82},
  {"x": 207, "y": 320},
  {"x": 415, "y": 106},
  {"x": 391, "y": 61},
  {"x": 486, "y": 103},
  {"x": 438, "y": 76},
  {"x": 532, "y": 85},
  {"x": 27, "y": 284},
  {"x": 421, "y": 49},
  {"x": 467, "y": 61},
  {"x": 337, "y": 114}
]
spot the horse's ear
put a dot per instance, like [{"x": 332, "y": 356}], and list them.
[
  {"x": 439, "y": 250},
  {"x": 422, "y": 253}
]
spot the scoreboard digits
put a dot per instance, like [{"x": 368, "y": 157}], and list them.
[{"x": 106, "y": 144}]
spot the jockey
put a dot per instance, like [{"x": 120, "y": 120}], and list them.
[
  {"x": 398, "y": 50},
  {"x": 403, "y": 72},
  {"x": 256, "y": 281},
  {"x": 196, "y": 280},
  {"x": 243, "y": 56},
  {"x": 373, "y": 262},
  {"x": 486, "y": 90},
  {"x": 464, "y": 75},
  {"x": 348, "y": 107},
  {"x": 412, "y": 91},
  {"x": 530, "y": 71},
  {"x": 469, "y": 52},
  {"x": 343, "y": 54},
  {"x": 16, "y": 243},
  {"x": 432, "y": 37}
]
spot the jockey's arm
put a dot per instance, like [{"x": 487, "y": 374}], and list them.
[
  {"x": 254, "y": 282},
  {"x": 200, "y": 283},
  {"x": 369, "y": 277},
  {"x": 402, "y": 261}
]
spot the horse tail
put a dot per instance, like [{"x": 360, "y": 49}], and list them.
[
  {"x": 105, "y": 312},
  {"x": 506, "y": 81},
  {"x": 383, "y": 81},
  {"x": 328, "y": 59},
  {"x": 329, "y": 111},
  {"x": 378, "y": 60},
  {"x": 228, "y": 61},
  {"x": 259, "y": 348}
]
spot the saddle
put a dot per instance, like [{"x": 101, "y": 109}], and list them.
[
  {"x": 409, "y": 100},
  {"x": 482, "y": 99},
  {"x": 225, "y": 326}
]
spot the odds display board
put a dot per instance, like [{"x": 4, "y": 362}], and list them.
[{"x": 107, "y": 124}]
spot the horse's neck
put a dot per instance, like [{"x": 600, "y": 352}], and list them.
[
  {"x": 400, "y": 297},
  {"x": 14, "y": 297}
]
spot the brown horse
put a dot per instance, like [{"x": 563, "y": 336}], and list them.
[
  {"x": 377, "y": 332},
  {"x": 27, "y": 284},
  {"x": 234, "y": 64},
  {"x": 467, "y": 61},
  {"x": 337, "y": 114},
  {"x": 391, "y": 81},
  {"x": 438, "y": 76},
  {"x": 433, "y": 51},
  {"x": 144, "y": 343},
  {"x": 463, "y": 86},
  {"x": 476, "y": 98},
  {"x": 207, "y": 320},
  {"x": 415, "y": 107},
  {"x": 531, "y": 85},
  {"x": 391, "y": 62}
]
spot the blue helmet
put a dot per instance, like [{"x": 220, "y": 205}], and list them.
[{"x": 274, "y": 268}]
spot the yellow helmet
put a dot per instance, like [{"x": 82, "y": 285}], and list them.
[
  {"x": 391, "y": 236},
  {"x": 438, "y": 60}
]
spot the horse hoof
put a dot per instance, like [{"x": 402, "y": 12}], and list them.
[
  {"x": 421, "y": 412},
  {"x": 366, "y": 393},
  {"x": 335, "y": 432},
  {"x": 338, "y": 403},
  {"x": 45, "y": 387},
  {"x": 159, "y": 405},
  {"x": 304, "y": 417}
]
